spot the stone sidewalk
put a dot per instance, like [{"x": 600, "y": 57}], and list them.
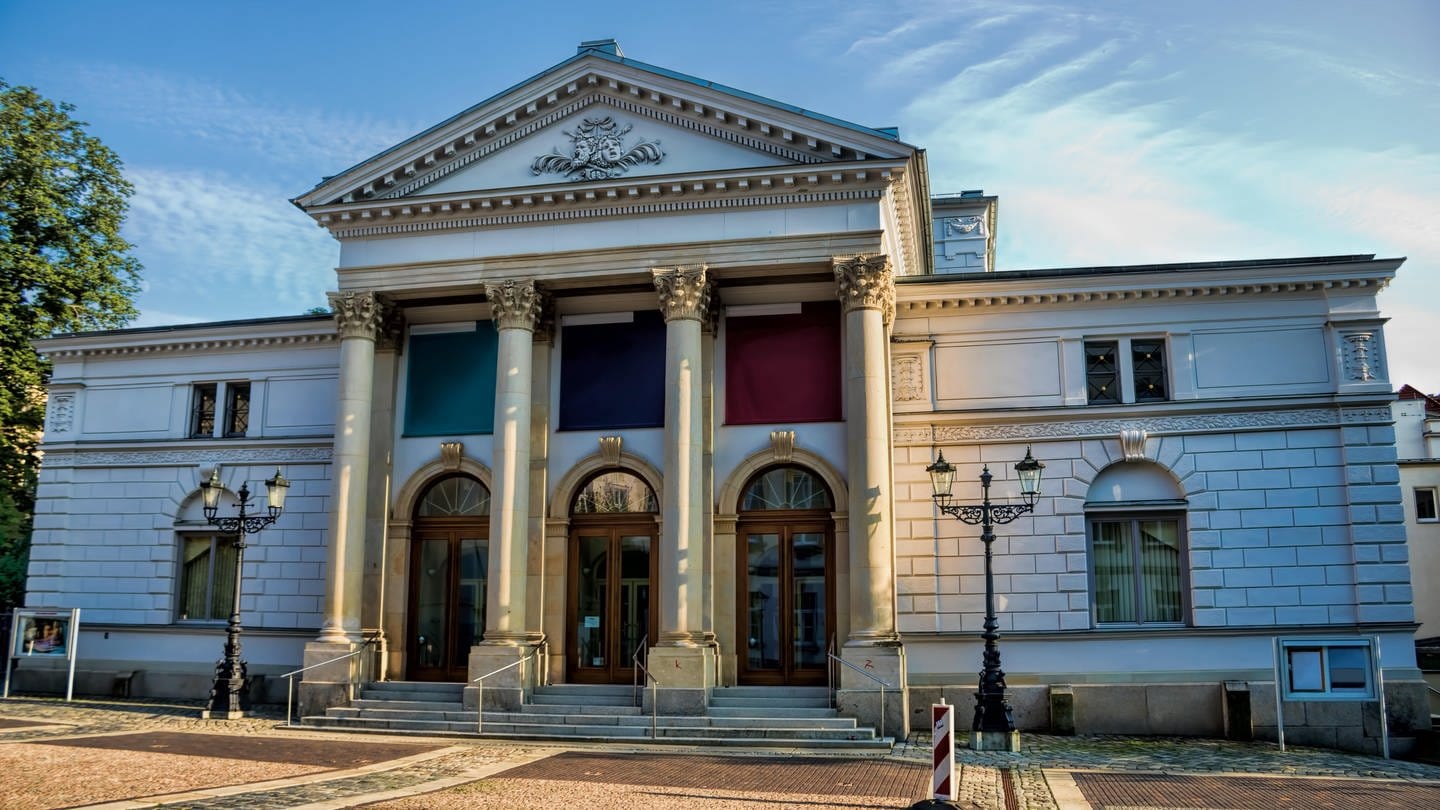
[{"x": 131, "y": 754}]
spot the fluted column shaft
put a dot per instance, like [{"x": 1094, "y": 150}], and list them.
[
  {"x": 359, "y": 316},
  {"x": 517, "y": 306},
  {"x": 867, "y": 293},
  {"x": 684, "y": 300}
]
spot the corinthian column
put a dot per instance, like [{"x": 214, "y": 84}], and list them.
[
  {"x": 685, "y": 301},
  {"x": 517, "y": 308},
  {"x": 359, "y": 317},
  {"x": 867, "y": 294}
]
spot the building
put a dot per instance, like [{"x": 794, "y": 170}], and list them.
[{"x": 626, "y": 360}]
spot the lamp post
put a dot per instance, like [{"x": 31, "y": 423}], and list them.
[
  {"x": 993, "y": 727},
  {"x": 225, "y": 695}
]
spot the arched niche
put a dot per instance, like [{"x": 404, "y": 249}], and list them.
[{"x": 1134, "y": 483}]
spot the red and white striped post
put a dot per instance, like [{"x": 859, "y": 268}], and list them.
[{"x": 942, "y": 717}]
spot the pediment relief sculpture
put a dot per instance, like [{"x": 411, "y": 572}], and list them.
[{"x": 597, "y": 152}]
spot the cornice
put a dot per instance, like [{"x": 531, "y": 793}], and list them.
[
  {"x": 662, "y": 194},
  {"x": 549, "y": 98},
  {"x": 924, "y": 299},
  {"x": 77, "y": 348}
]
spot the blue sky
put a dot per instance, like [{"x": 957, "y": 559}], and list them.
[{"x": 1113, "y": 132}]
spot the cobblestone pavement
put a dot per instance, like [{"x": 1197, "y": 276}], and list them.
[{"x": 1049, "y": 772}]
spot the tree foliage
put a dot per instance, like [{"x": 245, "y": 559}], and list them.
[{"x": 63, "y": 268}]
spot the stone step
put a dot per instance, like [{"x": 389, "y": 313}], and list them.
[
  {"x": 410, "y": 705},
  {"x": 529, "y": 718},
  {"x": 764, "y": 704},
  {"x": 612, "y": 731},
  {"x": 438, "y": 687},
  {"x": 773, "y": 711},
  {"x": 563, "y": 699},
  {"x": 565, "y": 708},
  {"x": 864, "y": 744},
  {"x": 588, "y": 689},
  {"x": 772, "y": 692}
]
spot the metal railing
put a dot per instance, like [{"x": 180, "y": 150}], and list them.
[
  {"x": 835, "y": 659},
  {"x": 480, "y": 686},
  {"x": 360, "y": 672},
  {"x": 642, "y": 653},
  {"x": 650, "y": 681}
]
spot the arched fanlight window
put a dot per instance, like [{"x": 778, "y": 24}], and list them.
[
  {"x": 785, "y": 488},
  {"x": 614, "y": 493},
  {"x": 455, "y": 496}
]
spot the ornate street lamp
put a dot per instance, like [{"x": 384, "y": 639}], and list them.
[
  {"x": 225, "y": 695},
  {"x": 992, "y": 712}
]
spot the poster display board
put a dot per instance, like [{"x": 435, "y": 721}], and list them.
[
  {"x": 43, "y": 633},
  {"x": 1345, "y": 668}
]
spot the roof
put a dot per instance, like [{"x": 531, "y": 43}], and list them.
[
  {"x": 609, "y": 50},
  {"x": 185, "y": 327},
  {"x": 1432, "y": 401}
]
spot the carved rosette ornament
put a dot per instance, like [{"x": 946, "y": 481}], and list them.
[
  {"x": 360, "y": 314},
  {"x": 684, "y": 292},
  {"x": 516, "y": 304},
  {"x": 866, "y": 282}
]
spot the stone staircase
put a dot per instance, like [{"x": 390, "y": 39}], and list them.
[{"x": 739, "y": 716}]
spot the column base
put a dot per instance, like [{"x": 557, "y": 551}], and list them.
[
  {"x": 505, "y": 690},
  {"x": 995, "y": 741},
  {"x": 859, "y": 696},
  {"x": 686, "y": 676}
]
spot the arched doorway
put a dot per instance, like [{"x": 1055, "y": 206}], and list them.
[
  {"x": 785, "y": 577},
  {"x": 612, "y": 573},
  {"x": 449, "y": 558}
]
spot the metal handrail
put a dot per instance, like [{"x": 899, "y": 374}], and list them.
[
  {"x": 830, "y": 673},
  {"x": 883, "y": 686},
  {"x": 480, "y": 686},
  {"x": 654, "y": 684},
  {"x": 290, "y": 676},
  {"x": 636, "y": 668}
]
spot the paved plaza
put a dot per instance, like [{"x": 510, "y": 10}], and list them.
[{"x": 131, "y": 754}]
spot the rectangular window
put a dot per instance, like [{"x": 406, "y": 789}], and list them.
[
  {"x": 1127, "y": 370},
  {"x": 1137, "y": 575},
  {"x": 202, "y": 411},
  {"x": 1147, "y": 363},
  {"x": 207, "y": 578},
  {"x": 1102, "y": 372},
  {"x": 1425, "y": 504},
  {"x": 1323, "y": 669},
  {"x": 237, "y": 408}
]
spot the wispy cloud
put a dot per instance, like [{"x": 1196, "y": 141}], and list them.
[
  {"x": 219, "y": 117},
  {"x": 216, "y": 247}
]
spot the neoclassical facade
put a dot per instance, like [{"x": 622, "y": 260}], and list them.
[{"x": 625, "y": 366}]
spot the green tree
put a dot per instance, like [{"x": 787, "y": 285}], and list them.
[{"x": 63, "y": 268}]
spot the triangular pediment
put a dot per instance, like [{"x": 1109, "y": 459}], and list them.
[
  {"x": 600, "y": 141},
  {"x": 700, "y": 127}
]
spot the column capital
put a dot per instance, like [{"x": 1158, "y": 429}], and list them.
[
  {"x": 360, "y": 314},
  {"x": 685, "y": 292},
  {"x": 516, "y": 304},
  {"x": 865, "y": 282}
]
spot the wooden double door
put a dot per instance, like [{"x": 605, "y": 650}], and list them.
[
  {"x": 787, "y": 599},
  {"x": 448, "y": 580},
  {"x": 612, "y": 598}
]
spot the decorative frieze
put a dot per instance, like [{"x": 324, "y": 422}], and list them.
[
  {"x": 203, "y": 456},
  {"x": 597, "y": 152},
  {"x": 969, "y": 226},
  {"x": 866, "y": 282},
  {"x": 685, "y": 292},
  {"x": 359, "y": 314},
  {"x": 908, "y": 378},
  {"x": 516, "y": 304},
  {"x": 1361, "y": 358},
  {"x": 60, "y": 413},
  {"x": 1182, "y": 423}
]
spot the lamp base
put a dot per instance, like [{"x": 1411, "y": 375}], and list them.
[
  {"x": 995, "y": 741},
  {"x": 207, "y": 714}
]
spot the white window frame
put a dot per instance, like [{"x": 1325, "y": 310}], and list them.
[
  {"x": 1434, "y": 504},
  {"x": 1125, "y": 363}
]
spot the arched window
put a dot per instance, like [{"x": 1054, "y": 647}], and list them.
[
  {"x": 785, "y": 488},
  {"x": 615, "y": 493},
  {"x": 455, "y": 496},
  {"x": 1136, "y": 518}
]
